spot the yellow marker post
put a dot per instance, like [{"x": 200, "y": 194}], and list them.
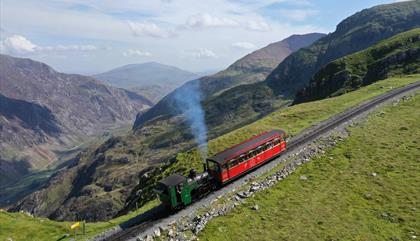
[{"x": 74, "y": 227}]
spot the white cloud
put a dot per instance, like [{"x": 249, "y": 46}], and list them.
[
  {"x": 206, "y": 20},
  {"x": 103, "y": 23},
  {"x": 203, "y": 53},
  {"x": 137, "y": 52},
  {"x": 17, "y": 44},
  {"x": 244, "y": 45},
  {"x": 20, "y": 45},
  {"x": 68, "y": 48},
  {"x": 258, "y": 25},
  {"x": 149, "y": 29}
]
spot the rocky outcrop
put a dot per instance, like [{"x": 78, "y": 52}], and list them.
[
  {"x": 399, "y": 55},
  {"x": 43, "y": 112}
]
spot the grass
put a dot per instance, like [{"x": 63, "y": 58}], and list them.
[
  {"x": 342, "y": 198},
  {"x": 292, "y": 119},
  {"x": 20, "y": 226}
]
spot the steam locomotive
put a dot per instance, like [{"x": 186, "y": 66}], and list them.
[{"x": 177, "y": 191}]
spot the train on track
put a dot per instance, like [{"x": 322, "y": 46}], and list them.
[{"x": 177, "y": 191}]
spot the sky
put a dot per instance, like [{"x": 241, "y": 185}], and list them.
[{"x": 93, "y": 36}]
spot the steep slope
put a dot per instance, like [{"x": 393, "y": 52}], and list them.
[
  {"x": 252, "y": 68},
  {"x": 43, "y": 110},
  {"x": 399, "y": 55},
  {"x": 355, "y": 33},
  {"x": 152, "y": 80}
]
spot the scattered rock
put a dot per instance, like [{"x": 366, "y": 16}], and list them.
[
  {"x": 374, "y": 174},
  {"x": 368, "y": 196},
  {"x": 156, "y": 233},
  {"x": 303, "y": 178},
  {"x": 255, "y": 207}
]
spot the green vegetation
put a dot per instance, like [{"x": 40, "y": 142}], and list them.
[
  {"x": 396, "y": 56},
  {"x": 22, "y": 227},
  {"x": 292, "y": 119},
  {"x": 366, "y": 188}
]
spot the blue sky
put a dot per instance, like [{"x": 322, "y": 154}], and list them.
[{"x": 91, "y": 36}]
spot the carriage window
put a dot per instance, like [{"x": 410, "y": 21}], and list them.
[
  {"x": 233, "y": 163},
  {"x": 224, "y": 167}
]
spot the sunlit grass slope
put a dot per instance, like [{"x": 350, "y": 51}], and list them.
[{"x": 366, "y": 188}]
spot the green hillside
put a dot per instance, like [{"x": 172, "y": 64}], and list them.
[
  {"x": 24, "y": 227},
  {"x": 366, "y": 188},
  {"x": 398, "y": 55},
  {"x": 292, "y": 119}
]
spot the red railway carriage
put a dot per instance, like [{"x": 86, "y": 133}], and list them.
[{"x": 241, "y": 158}]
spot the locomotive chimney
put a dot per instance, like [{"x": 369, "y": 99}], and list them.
[{"x": 204, "y": 166}]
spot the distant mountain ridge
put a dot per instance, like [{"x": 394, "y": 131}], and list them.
[
  {"x": 152, "y": 80},
  {"x": 43, "y": 110},
  {"x": 252, "y": 68}
]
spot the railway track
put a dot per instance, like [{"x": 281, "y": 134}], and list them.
[{"x": 161, "y": 217}]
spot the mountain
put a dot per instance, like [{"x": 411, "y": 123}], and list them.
[
  {"x": 246, "y": 103},
  {"x": 113, "y": 170},
  {"x": 252, "y": 68},
  {"x": 353, "y": 34},
  {"x": 43, "y": 111},
  {"x": 151, "y": 80},
  {"x": 398, "y": 55}
]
